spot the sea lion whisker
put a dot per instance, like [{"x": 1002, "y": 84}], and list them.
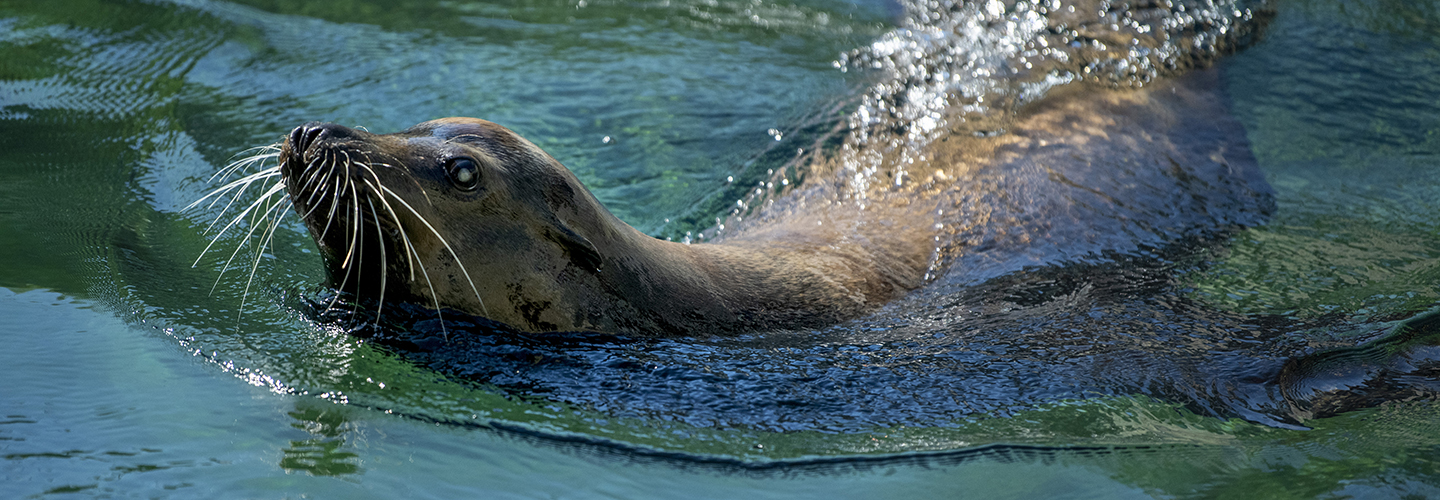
[
  {"x": 320, "y": 176},
  {"x": 310, "y": 200},
  {"x": 315, "y": 174},
  {"x": 399, "y": 228},
  {"x": 240, "y": 183},
  {"x": 266, "y": 239},
  {"x": 392, "y": 158},
  {"x": 355, "y": 204},
  {"x": 276, "y": 214},
  {"x": 370, "y": 161},
  {"x": 357, "y": 246},
  {"x": 334, "y": 209},
  {"x": 263, "y": 198},
  {"x": 423, "y": 192},
  {"x": 266, "y": 172},
  {"x": 350, "y": 166},
  {"x": 330, "y": 215},
  {"x": 404, "y": 238},
  {"x": 251, "y": 177},
  {"x": 318, "y": 161},
  {"x": 342, "y": 183},
  {"x": 350, "y": 248},
  {"x": 350, "y": 243},
  {"x": 410, "y": 262},
  {"x": 458, "y": 261},
  {"x": 245, "y": 162},
  {"x": 236, "y": 219},
  {"x": 434, "y": 296},
  {"x": 237, "y": 183},
  {"x": 257, "y": 218},
  {"x": 259, "y": 154},
  {"x": 353, "y": 231},
  {"x": 383, "y": 263},
  {"x": 359, "y": 266},
  {"x": 221, "y": 216}
]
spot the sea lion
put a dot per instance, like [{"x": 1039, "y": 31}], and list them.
[{"x": 464, "y": 214}]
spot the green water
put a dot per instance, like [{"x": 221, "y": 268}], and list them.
[{"x": 125, "y": 375}]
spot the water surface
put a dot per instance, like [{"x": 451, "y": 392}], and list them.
[{"x": 129, "y": 375}]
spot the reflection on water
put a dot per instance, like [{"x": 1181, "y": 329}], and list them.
[
  {"x": 1335, "y": 266},
  {"x": 1150, "y": 338},
  {"x": 325, "y": 454}
]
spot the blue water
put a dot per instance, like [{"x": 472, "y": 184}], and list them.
[{"x": 125, "y": 375}]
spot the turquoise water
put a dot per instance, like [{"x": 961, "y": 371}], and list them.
[{"x": 126, "y": 375}]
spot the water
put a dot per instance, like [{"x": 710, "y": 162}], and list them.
[{"x": 127, "y": 375}]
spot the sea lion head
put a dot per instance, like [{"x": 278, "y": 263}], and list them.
[{"x": 456, "y": 213}]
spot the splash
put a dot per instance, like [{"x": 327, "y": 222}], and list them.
[{"x": 967, "y": 67}]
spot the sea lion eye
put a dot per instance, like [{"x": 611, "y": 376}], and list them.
[{"x": 464, "y": 173}]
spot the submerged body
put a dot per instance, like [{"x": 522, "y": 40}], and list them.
[{"x": 463, "y": 214}]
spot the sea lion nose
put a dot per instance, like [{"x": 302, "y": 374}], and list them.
[
  {"x": 301, "y": 138},
  {"x": 300, "y": 147},
  {"x": 304, "y": 136}
]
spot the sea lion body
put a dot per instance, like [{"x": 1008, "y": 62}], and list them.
[{"x": 461, "y": 213}]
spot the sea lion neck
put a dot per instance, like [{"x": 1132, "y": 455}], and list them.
[{"x": 747, "y": 284}]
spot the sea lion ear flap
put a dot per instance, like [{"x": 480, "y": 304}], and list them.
[{"x": 581, "y": 252}]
